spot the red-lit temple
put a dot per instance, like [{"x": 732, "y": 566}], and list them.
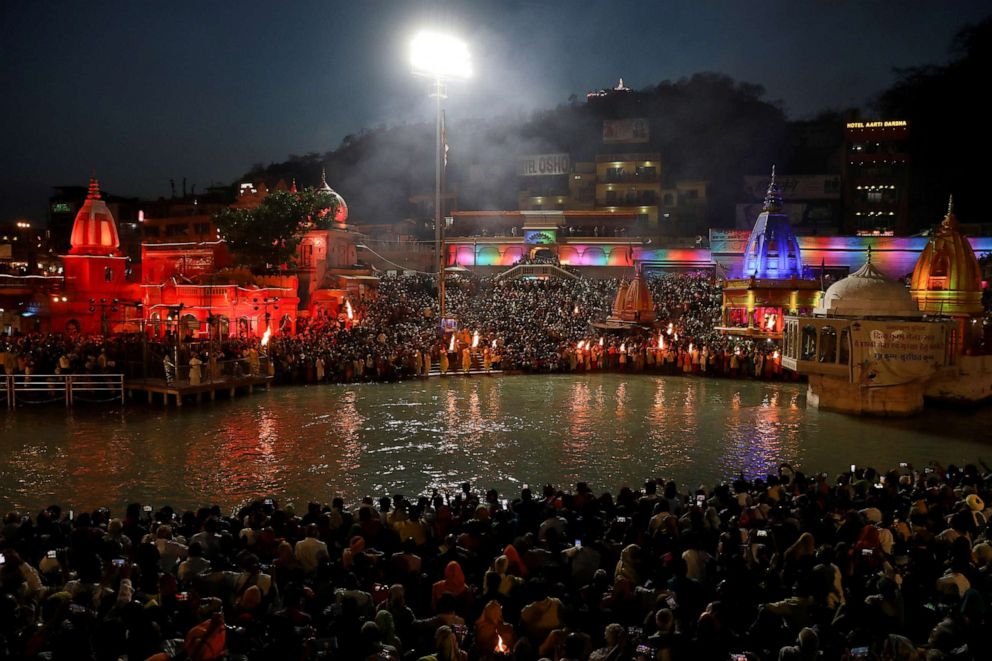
[{"x": 190, "y": 288}]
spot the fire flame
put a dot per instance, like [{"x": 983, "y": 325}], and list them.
[
  {"x": 501, "y": 647},
  {"x": 265, "y": 336},
  {"x": 676, "y": 337},
  {"x": 451, "y": 345},
  {"x": 600, "y": 341},
  {"x": 475, "y": 340},
  {"x": 775, "y": 355},
  {"x": 580, "y": 344},
  {"x": 690, "y": 347},
  {"x": 348, "y": 310},
  {"x": 671, "y": 328},
  {"x": 661, "y": 342},
  {"x": 575, "y": 310},
  {"x": 623, "y": 347}
]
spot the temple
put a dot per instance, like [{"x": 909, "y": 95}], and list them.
[
  {"x": 875, "y": 346},
  {"x": 191, "y": 291},
  {"x": 771, "y": 281},
  {"x": 632, "y": 306},
  {"x": 947, "y": 281}
]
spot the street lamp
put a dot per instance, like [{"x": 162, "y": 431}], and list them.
[{"x": 439, "y": 57}]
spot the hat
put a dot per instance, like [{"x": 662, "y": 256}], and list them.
[{"x": 975, "y": 503}]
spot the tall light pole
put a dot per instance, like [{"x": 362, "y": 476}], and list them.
[{"x": 439, "y": 57}]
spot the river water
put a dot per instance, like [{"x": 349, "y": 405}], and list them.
[{"x": 312, "y": 443}]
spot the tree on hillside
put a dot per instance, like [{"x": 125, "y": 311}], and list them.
[
  {"x": 266, "y": 237},
  {"x": 948, "y": 136}
]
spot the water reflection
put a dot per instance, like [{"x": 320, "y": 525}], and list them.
[{"x": 318, "y": 442}]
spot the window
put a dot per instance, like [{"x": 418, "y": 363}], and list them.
[
  {"x": 611, "y": 197},
  {"x": 647, "y": 172},
  {"x": 828, "y": 344},
  {"x": 808, "y": 343},
  {"x": 176, "y": 230},
  {"x": 845, "y": 346}
]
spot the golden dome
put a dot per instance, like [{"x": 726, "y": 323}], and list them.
[{"x": 947, "y": 279}]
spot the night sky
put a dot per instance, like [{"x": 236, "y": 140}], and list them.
[{"x": 147, "y": 91}]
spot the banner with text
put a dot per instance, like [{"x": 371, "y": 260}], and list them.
[{"x": 625, "y": 131}]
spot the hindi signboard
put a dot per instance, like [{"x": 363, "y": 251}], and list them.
[{"x": 886, "y": 353}]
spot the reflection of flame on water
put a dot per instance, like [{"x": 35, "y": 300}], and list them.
[
  {"x": 265, "y": 336},
  {"x": 348, "y": 310},
  {"x": 475, "y": 340},
  {"x": 501, "y": 647}
]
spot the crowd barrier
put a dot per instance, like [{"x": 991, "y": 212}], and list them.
[{"x": 28, "y": 389}]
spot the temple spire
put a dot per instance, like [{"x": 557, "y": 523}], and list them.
[
  {"x": 292, "y": 189},
  {"x": 950, "y": 221},
  {"x": 773, "y": 197},
  {"x": 94, "y": 190},
  {"x": 323, "y": 178}
]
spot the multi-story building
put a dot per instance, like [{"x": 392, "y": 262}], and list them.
[{"x": 876, "y": 178}]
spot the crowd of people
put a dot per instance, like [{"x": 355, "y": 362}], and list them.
[
  {"x": 867, "y": 564},
  {"x": 509, "y": 324}
]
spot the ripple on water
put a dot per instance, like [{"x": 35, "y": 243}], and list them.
[{"x": 317, "y": 442}]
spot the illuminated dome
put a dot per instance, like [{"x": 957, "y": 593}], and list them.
[
  {"x": 637, "y": 304},
  {"x": 868, "y": 293},
  {"x": 772, "y": 250},
  {"x": 94, "y": 231},
  {"x": 947, "y": 279},
  {"x": 341, "y": 211}
]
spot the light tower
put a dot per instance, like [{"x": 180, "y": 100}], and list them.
[{"x": 439, "y": 57}]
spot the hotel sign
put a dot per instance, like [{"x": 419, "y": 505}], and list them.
[
  {"x": 891, "y": 123},
  {"x": 537, "y": 165}
]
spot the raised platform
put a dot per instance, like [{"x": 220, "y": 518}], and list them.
[{"x": 178, "y": 390}]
